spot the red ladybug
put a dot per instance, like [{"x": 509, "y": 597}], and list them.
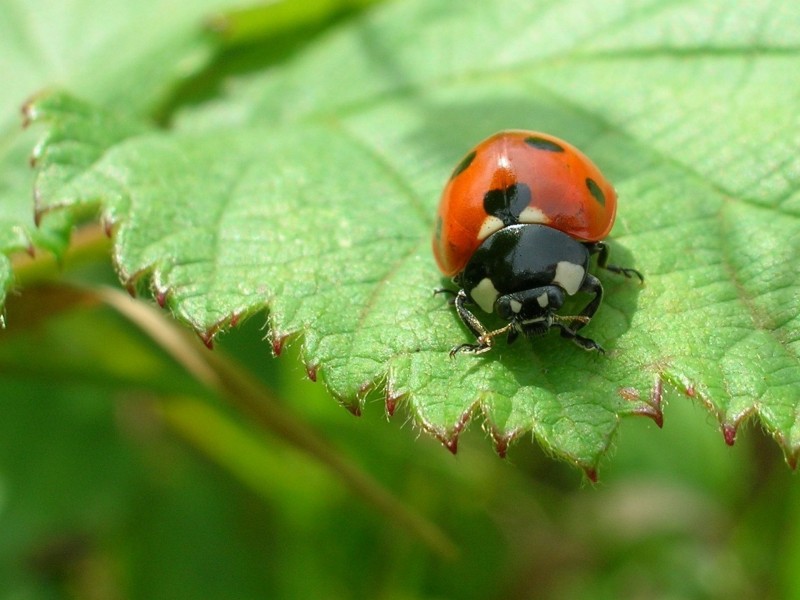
[{"x": 518, "y": 220}]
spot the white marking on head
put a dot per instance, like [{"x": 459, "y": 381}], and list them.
[
  {"x": 531, "y": 214},
  {"x": 489, "y": 226},
  {"x": 485, "y": 294},
  {"x": 542, "y": 300},
  {"x": 569, "y": 276},
  {"x": 515, "y": 305}
]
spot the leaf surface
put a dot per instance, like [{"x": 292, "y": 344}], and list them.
[
  {"x": 309, "y": 190},
  {"x": 127, "y": 55}
]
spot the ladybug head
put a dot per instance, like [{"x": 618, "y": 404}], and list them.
[{"x": 530, "y": 306}]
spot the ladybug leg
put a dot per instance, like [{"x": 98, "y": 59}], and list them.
[
  {"x": 602, "y": 262},
  {"x": 591, "y": 285},
  {"x": 587, "y": 344},
  {"x": 485, "y": 339},
  {"x": 447, "y": 291}
]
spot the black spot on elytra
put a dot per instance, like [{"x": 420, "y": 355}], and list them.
[
  {"x": 464, "y": 164},
  {"x": 543, "y": 144},
  {"x": 507, "y": 204},
  {"x": 595, "y": 191}
]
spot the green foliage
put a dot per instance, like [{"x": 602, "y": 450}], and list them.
[
  {"x": 309, "y": 191},
  {"x": 286, "y": 161}
]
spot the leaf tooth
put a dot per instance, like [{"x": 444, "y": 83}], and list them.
[
  {"x": 161, "y": 297},
  {"x": 38, "y": 210},
  {"x": 653, "y": 405},
  {"x": 729, "y": 432},
  {"x": 391, "y": 404},
  {"x": 393, "y": 398},
  {"x": 392, "y": 395},
  {"x": 233, "y": 320},
  {"x": 451, "y": 444},
  {"x": 791, "y": 457},
  {"x": 657, "y": 416},
  {"x": 354, "y": 408},
  {"x": 449, "y": 437},
  {"x": 591, "y": 473},
  {"x": 502, "y": 442},
  {"x": 650, "y": 407},
  {"x": 501, "y": 439},
  {"x": 207, "y": 337},
  {"x": 29, "y": 110},
  {"x": 108, "y": 226},
  {"x": 311, "y": 371},
  {"x": 348, "y": 401},
  {"x": 278, "y": 341},
  {"x": 130, "y": 287}
]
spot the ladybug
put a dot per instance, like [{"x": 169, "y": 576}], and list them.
[{"x": 518, "y": 221}]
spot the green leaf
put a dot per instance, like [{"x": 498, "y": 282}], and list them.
[
  {"x": 309, "y": 190},
  {"x": 126, "y": 55}
]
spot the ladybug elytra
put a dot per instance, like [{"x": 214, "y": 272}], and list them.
[{"x": 518, "y": 221}]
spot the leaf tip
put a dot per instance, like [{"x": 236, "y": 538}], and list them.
[
  {"x": 502, "y": 440},
  {"x": 278, "y": 341},
  {"x": 29, "y": 111},
  {"x": 449, "y": 437},
  {"x": 38, "y": 210},
  {"x": 207, "y": 337},
  {"x": 451, "y": 444},
  {"x": 791, "y": 453},
  {"x": 393, "y": 398},
  {"x": 591, "y": 474},
  {"x": 161, "y": 297},
  {"x": 390, "y": 405},
  {"x": 311, "y": 371},
  {"x": 501, "y": 446},
  {"x": 353, "y": 407},
  {"x": 729, "y": 433},
  {"x": 651, "y": 407}
]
